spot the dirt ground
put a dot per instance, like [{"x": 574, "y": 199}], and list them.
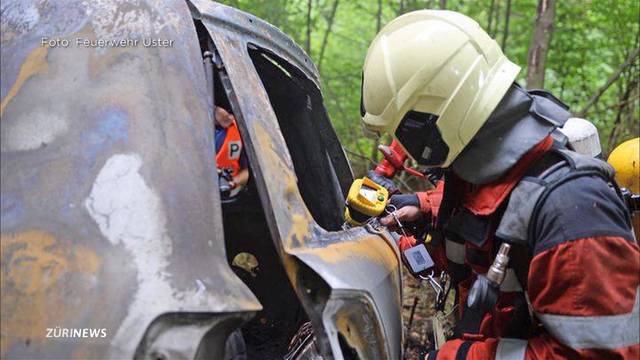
[{"x": 419, "y": 334}]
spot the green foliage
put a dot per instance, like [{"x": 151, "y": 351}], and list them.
[{"x": 592, "y": 38}]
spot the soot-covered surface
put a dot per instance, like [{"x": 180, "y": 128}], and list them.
[{"x": 267, "y": 335}]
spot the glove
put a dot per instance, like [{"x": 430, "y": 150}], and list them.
[
  {"x": 402, "y": 200},
  {"x": 413, "y": 220},
  {"x": 382, "y": 181},
  {"x": 225, "y": 187},
  {"x": 225, "y": 182}
]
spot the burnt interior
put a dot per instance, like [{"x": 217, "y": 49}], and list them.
[
  {"x": 268, "y": 334},
  {"x": 323, "y": 176},
  {"x": 246, "y": 230},
  {"x": 323, "y": 179}
]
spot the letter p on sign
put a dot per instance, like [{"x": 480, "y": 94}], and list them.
[{"x": 235, "y": 147}]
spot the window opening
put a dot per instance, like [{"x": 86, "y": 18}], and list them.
[
  {"x": 309, "y": 136},
  {"x": 249, "y": 247}
]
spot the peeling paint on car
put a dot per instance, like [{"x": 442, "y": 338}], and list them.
[
  {"x": 80, "y": 127},
  {"x": 119, "y": 20},
  {"x": 33, "y": 265},
  {"x": 129, "y": 213},
  {"x": 32, "y": 130},
  {"x": 35, "y": 63}
]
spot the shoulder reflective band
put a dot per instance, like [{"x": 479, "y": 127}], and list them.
[
  {"x": 511, "y": 349},
  {"x": 420, "y": 136},
  {"x": 454, "y": 251},
  {"x": 595, "y": 332}
]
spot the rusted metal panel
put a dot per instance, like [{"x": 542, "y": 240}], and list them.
[
  {"x": 348, "y": 281},
  {"x": 110, "y": 207}
]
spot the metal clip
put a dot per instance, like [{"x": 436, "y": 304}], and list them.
[
  {"x": 445, "y": 284},
  {"x": 391, "y": 210},
  {"x": 373, "y": 226},
  {"x": 434, "y": 283},
  {"x": 441, "y": 286}
]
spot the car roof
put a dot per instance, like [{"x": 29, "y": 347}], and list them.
[{"x": 257, "y": 32}]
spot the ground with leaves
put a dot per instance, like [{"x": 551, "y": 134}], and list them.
[{"x": 418, "y": 331}]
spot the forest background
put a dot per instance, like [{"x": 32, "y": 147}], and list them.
[{"x": 584, "y": 52}]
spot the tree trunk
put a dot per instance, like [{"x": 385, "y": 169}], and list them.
[
  {"x": 505, "y": 33},
  {"x": 443, "y": 4},
  {"x": 540, "y": 41},
  {"x": 594, "y": 99},
  {"x": 631, "y": 85},
  {"x": 379, "y": 16},
  {"x": 494, "y": 31},
  {"x": 491, "y": 7},
  {"x": 307, "y": 44},
  {"x": 325, "y": 39},
  {"x": 277, "y": 11}
]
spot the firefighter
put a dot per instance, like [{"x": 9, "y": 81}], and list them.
[
  {"x": 440, "y": 86},
  {"x": 625, "y": 159},
  {"x": 230, "y": 156}
]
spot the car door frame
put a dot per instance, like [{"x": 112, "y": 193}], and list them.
[{"x": 349, "y": 281}]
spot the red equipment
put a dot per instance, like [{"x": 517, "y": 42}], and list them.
[{"x": 393, "y": 162}]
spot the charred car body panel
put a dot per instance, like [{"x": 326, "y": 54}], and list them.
[
  {"x": 111, "y": 215},
  {"x": 348, "y": 281},
  {"x": 110, "y": 210}
]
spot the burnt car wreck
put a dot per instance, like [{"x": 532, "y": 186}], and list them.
[{"x": 111, "y": 213}]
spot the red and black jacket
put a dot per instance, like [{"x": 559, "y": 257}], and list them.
[{"x": 579, "y": 271}]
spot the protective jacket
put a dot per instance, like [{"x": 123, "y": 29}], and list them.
[
  {"x": 572, "y": 289},
  {"x": 228, "y": 156}
]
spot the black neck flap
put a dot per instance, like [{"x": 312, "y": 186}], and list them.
[{"x": 521, "y": 120}]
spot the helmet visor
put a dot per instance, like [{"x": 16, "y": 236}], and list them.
[{"x": 421, "y": 138}]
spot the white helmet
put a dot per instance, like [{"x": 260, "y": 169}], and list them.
[{"x": 431, "y": 79}]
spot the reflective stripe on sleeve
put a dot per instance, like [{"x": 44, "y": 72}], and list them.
[
  {"x": 511, "y": 349},
  {"x": 454, "y": 251},
  {"x": 595, "y": 332}
]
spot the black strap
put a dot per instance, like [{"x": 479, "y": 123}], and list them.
[
  {"x": 630, "y": 204},
  {"x": 521, "y": 256},
  {"x": 463, "y": 350},
  {"x": 470, "y": 322},
  {"x": 432, "y": 355},
  {"x": 450, "y": 199}
]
